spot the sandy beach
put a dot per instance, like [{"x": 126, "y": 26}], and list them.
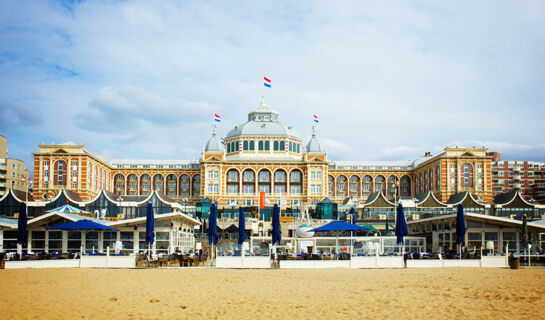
[{"x": 280, "y": 294}]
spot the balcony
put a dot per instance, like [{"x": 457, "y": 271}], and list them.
[
  {"x": 516, "y": 169},
  {"x": 517, "y": 186}
]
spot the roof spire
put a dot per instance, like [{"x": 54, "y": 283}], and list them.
[{"x": 262, "y": 105}]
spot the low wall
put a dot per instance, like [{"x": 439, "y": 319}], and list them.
[
  {"x": 494, "y": 261},
  {"x": 86, "y": 262},
  {"x": 58, "y": 263},
  {"x": 243, "y": 262},
  {"x": 108, "y": 261},
  {"x": 356, "y": 262},
  {"x": 443, "y": 263},
  {"x": 377, "y": 262}
]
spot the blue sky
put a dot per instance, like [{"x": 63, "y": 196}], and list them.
[{"x": 389, "y": 80}]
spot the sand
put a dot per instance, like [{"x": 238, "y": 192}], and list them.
[{"x": 456, "y": 293}]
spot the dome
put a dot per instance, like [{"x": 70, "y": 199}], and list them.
[
  {"x": 213, "y": 145},
  {"x": 314, "y": 146},
  {"x": 263, "y": 122}
]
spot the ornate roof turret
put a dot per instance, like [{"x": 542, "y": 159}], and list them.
[
  {"x": 213, "y": 145},
  {"x": 263, "y": 114},
  {"x": 314, "y": 146}
]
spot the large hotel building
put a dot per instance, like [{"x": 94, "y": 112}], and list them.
[{"x": 263, "y": 155}]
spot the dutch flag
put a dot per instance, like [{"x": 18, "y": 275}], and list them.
[
  {"x": 217, "y": 118},
  {"x": 267, "y": 82},
  {"x": 316, "y": 118},
  {"x": 222, "y": 142}
]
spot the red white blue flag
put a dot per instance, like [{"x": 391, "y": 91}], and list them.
[
  {"x": 267, "y": 82},
  {"x": 217, "y": 118},
  {"x": 222, "y": 142},
  {"x": 316, "y": 118}
]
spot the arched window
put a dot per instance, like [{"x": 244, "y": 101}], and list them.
[
  {"x": 197, "y": 185},
  {"x": 252, "y": 145},
  {"x": 229, "y": 148},
  {"x": 248, "y": 181},
  {"x": 354, "y": 186},
  {"x": 158, "y": 182},
  {"x": 280, "y": 181},
  {"x": 331, "y": 186},
  {"x": 245, "y": 145},
  {"x": 392, "y": 186},
  {"x": 260, "y": 145},
  {"x": 431, "y": 178},
  {"x": 282, "y": 146},
  {"x": 290, "y": 147},
  {"x": 420, "y": 188},
  {"x": 171, "y": 185},
  {"x": 296, "y": 181},
  {"x": 145, "y": 184},
  {"x": 367, "y": 184},
  {"x": 380, "y": 181},
  {"x": 405, "y": 186},
  {"x": 341, "y": 186},
  {"x": 437, "y": 178},
  {"x": 232, "y": 181},
  {"x": 267, "y": 145},
  {"x": 184, "y": 185},
  {"x": 276, "y": 146},
  {"x": 264, "y": 181},
  {"x": 132, "y": 185},
  {"x": 119, "y": 184},
  {"x": 467, "y": 170},
  {"x": 60, "y": 173}
]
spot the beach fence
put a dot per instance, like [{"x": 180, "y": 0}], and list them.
[{"x": 82, "y": 262}]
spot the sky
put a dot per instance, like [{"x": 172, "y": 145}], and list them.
[{"x": 389, "y": 80}]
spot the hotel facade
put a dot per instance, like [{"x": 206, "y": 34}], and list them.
[{"x": 263, "y": 155}]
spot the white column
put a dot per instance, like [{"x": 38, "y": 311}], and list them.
[
  {"x": 29, "y": 242},
  {"x": 100, "y": 242},
  {"x": 1, "y": 240},
  {"x": 135, "y": 242},
  {"x": 46, "y": 241},
  {"x": 83, "y": 241},
  {"x": 64, "y": 241}
]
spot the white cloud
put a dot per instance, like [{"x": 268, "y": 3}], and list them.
[{"x": 389, "y": 81}]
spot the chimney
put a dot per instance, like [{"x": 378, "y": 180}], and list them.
[{"x": 427, "y": 154}]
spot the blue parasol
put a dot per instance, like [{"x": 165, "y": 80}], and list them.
[
  {"x": 241, "y": 226},
  {"x": 212, "y": 226},
  {"x": 83, "y": 225},
  {"x": 22, "y": 233},
  {"x": 401, "y": 225},
  {"x": 150, "y": 224},
  {"x": 276, "y": 232}
]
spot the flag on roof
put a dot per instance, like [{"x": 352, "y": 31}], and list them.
[
  {"x": 267, "y": 82},
  {"x": 222, "y": 142},
  {"x": 217, "y": 118},
  {"x": 316, "y": 118}
]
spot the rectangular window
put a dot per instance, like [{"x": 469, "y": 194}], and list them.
[
  {"x": 295, "y": 189},
  {"x": 216, "y": 188},
  {"x": 265, "y": 188},
  {"x": 232, "y": 188},
  {"x": 249, "y": 188},
  {"x": 280, "y": 188},
  {"x": 367, "y": 187},
  {"x": 316, "y": 188}
]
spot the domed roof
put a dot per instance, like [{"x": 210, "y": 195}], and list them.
[
  {"x": 263, "y": 122},
  {"x": 314, "y": 146},
  {"x": 213, "y": 145}
]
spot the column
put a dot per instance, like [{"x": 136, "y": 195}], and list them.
[
  {"x": 64, "y": 241},
  {"x": 46, "y": 249},
  {"x": 1, "y": 240},
  {"x": 83, "y": 233},
  {"x": 135, "y": 241},
  {"x": 100, "y": 241},
  {"x": 29, "y": 242}
]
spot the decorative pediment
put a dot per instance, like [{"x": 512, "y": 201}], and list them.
[
  {"x": 60, "y": 151},
  {"x": 468, "y": 154}
]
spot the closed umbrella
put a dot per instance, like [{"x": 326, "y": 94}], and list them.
[
  {"x": 22, "y": 233},
  {"x": 352, "y": 221},
  {"x": 276, "y": 232},
  {"x": 241, "y": 226},
  {"x": 401, "y": 225},
  {"x": 460, "y": 227},
  {"x": 150, "y": 226},
  {"x": 212, "y": 229}
]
